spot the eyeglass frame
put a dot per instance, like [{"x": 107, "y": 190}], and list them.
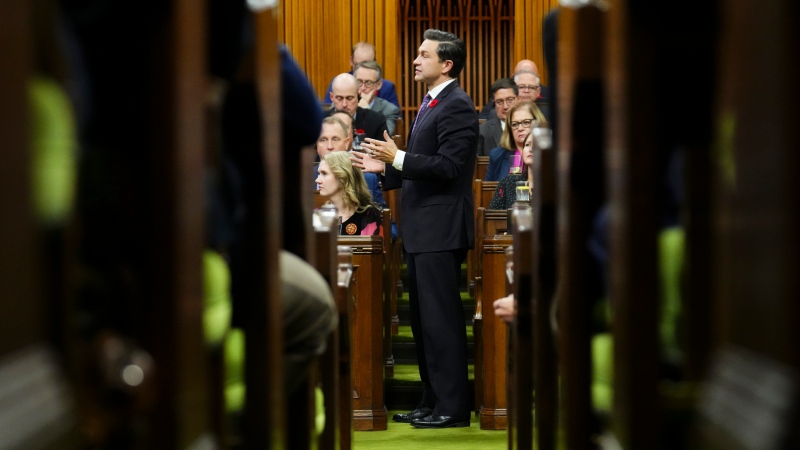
[
  {"x": 525, "y": 87},
  {"x": 509, "y": 101},
  {"x": 367, "y": 83},
  {"x": 522, "y": 122}
]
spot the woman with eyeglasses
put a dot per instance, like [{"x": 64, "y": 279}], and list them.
[
  {"x": 508, "y": 157},
  {"x": 506, "y": 192}
]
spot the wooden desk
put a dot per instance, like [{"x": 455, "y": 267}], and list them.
[
  {"x": 490, "y": 286},
  {"x": 366, "y": 317}
]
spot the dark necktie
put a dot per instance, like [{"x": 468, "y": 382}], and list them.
[{"x": 422, "y": 108}]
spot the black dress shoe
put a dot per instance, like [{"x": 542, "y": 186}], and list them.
[
  {"x": 432, "y": 421},
  {"x": 418, "y": 413}
]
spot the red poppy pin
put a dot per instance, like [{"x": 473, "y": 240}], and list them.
[
  {"x": 359, "y": 131},
  {"x": 433, "y": 103}
]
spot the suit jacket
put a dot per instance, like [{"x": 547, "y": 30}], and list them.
[
  {"x": 437, "y": 204},
  {"x": 386, "y": 92},
  {"x": 390, "y": 111},
  {"x": 491, "y": 131},
  {"x": 499, "y": 164},
  {"x": 372, "y": 122}
]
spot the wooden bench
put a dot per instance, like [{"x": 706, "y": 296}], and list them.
[
  {"x": 482, "y": 192},
  {"x": 367, "y": 352},
  {"x": 488, "y": 331},
  {"x": 338, "y": 410},
  {"x": 489, "y": 223},
  {"x": 390, "y": 274},
  {"x": 393, "y": 199},
  {"x": 399, "y": 136},
  {"x": 481, "y": 165}
]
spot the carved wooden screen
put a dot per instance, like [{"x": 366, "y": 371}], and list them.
[{"x": 486, "y": 26}]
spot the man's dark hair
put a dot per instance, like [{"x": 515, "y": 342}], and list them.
[
  {"x": 450, "y": 48},
  {"x": 503, "y": 83}
]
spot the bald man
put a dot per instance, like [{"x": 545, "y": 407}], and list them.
[
  {"x": 361, "y": 52},
  {"x": 526, "y": 64},
  {"x": 344, "y": 97}
]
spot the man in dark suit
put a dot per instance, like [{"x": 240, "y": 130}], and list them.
[
  {"x": 504, "y": 92},
  {"x": 369, "y": 75},
  {"x": 435, "y": 173},
  {"x": 344, "y": 97},
  {"x": 539, "y": 94}
]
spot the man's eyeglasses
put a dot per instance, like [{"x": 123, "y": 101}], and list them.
[
  {"x": 525, "y": 123},
  {"x": 523, "y": 87},
  {"x": 509, "y": 101},
  {"x": 367, "y": 83}
]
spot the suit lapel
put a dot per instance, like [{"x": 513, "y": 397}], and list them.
[{"x": 420, "y": 119}]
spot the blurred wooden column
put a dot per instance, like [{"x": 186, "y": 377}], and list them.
[
  {"x": 265, "y": 425},
  {"x": 581, "y": 191},
  {"x": 632, "y": 156},
  {"x": 25, "y": 344},
  {"x": 182, "y": 415},
  {"x": 752, "y": 390}
]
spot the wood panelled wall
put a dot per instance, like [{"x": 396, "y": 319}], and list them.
[
  {"x": 498, "y": 33},
  {"x": 320, "y": 35},
  {"x": 528, "y": 18},
  {"x": 486, "y": 26}
]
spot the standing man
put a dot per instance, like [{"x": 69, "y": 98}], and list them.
[{"x": 435, "y": 173}]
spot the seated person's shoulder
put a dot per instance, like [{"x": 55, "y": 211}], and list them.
[
  {"x": 497, "y": 152},
  {"x": 489, "y": 124}
]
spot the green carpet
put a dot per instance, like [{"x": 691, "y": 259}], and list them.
[
  {"x": 404, "y": 334},
  {"x": 465, "y": 297},
  {"x": 409, "y": 373},
  {"x": 404, "y": 436}
]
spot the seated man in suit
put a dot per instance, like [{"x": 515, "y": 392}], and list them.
[
  {"x": 364, "y": 51},
  {"x": 530, "y": 90},
  {"x": 504, "y": 92},
  {"x": 542, "y": 97},
  {"x": 344, "y": 97},
  {"x": 369, "y": 76}
]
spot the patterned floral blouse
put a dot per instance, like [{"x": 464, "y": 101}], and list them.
[{"x": 506, "y": 192}]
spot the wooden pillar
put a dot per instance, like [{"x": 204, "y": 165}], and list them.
[
  {"x": 265, "y": 425},
  {"x": 581, "y": 191},
  {"x": 751, "y": 399},
  {"x": 521, "y": 362},
  {"x": 25, "y": 344},
  {"x": 632, "y": 155}
]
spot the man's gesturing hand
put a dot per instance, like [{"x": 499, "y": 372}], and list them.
[{"x": 381, "y": 150}]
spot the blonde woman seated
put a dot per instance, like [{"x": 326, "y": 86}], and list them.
[
  {"x": 345, "y": 187},
  {"x": 506, "y": 193},
  {"x": 508, "y": 157}
]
